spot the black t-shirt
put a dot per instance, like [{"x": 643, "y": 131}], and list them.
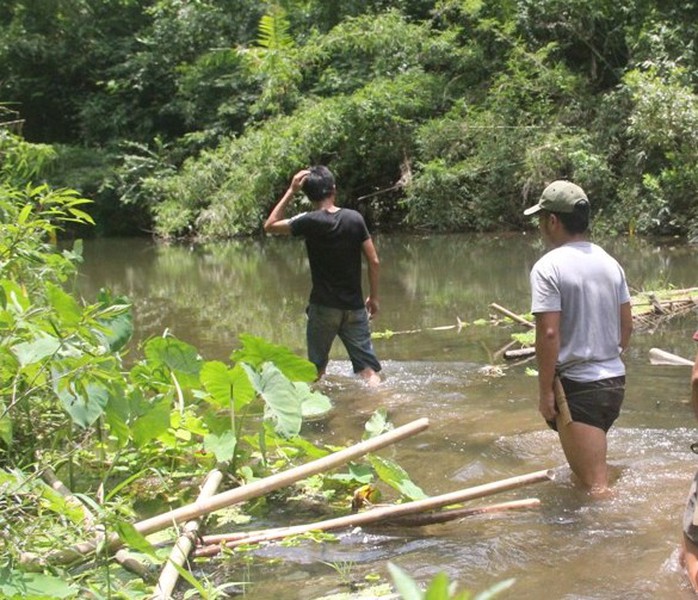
[{"x": 334, "y": 242}]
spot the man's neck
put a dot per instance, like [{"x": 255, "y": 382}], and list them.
[{"x": 327, "y": 204}]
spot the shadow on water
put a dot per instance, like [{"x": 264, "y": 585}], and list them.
[{"x": 483, "y": 427}]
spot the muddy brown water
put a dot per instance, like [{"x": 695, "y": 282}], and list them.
[{"x": 482, "y": 427}]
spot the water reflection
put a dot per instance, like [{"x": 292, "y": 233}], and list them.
[{"x": 482, "y": 428}]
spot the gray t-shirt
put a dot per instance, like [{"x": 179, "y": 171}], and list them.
[{"x": 587, "y": 286}]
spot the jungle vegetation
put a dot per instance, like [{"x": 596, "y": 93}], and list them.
[{"x": 186, "y": 118}]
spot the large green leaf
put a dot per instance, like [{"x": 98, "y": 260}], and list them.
[
  {"x": 83, "y": 400},
  {"x": 282, "y": 402},
  {"x": 17, "y": 584},
  {"x": 174, "y": 354},
  {"x": 153, "y": 423},
  {"x": 28, "y": 353},
  {"x": 116, "y": 321},
  {"x": 67, "y": 308},
  {"x": 313, "y": 404},
  {"x": 243, "y": 390},
  {"x": 396, "y": 477},
  {"x": 177, "y": 356},
  {"x": 5, "y": 426},
  {"x": 377, "y": 424},
  {"x": 223, "y": 446},
  {"x": 217, "y": 380},
  {"x": 256, "y": 351}
]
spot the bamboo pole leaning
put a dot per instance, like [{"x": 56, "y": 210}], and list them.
[
  {"x": 234, "y": 496},
  {"x": 214, "y": 544},
  {"x": 185, "y": 542}
]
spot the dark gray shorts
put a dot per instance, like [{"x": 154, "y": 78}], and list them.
[
  {"x": 689, "y": 529},
  {"x": 595, "y": 403},
  {"x": 352, "y": 327}
]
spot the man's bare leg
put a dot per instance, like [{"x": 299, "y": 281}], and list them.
[
  {"x": 585, "y": 449},
  {"x": 689, "y": 559}
]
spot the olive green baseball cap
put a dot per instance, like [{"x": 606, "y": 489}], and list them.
[{"x": 559, "y": 197}]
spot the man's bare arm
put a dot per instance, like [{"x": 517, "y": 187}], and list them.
[
  {"x": 547, "y": 350},
  {"x": 371, "y": 255},
  {"x": 277, "y": 222}
]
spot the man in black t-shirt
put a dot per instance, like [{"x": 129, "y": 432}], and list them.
[{"x": 335, "y": 239}]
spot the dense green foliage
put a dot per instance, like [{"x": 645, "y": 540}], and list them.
[
  {"x": 439, "y": 115},
  {"x": 124, "y": 437}
]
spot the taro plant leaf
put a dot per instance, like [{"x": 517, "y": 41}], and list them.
[
  {"x": 313, "y": 404},
  {"x": 282, "y": 403},
  {"x": 218, "y": 382},
  {"x": 256, "y": 351},
  {"x": 135, "y": 540},
  {"x": 17, "y": 584},
  {"x": 177, "y": 356},
  {"x": 28, "y": 353},
  {"x": 406, "y": 586},
  {"x": 358, "y": 473},
  {"x": 377, "y": 424},
  {"x": 69, "y": 311},
  {"x": 222, "y": 446},
  {"x": 84, "y": 401},
  {"x": 243, "y": 390},
  {"x": 153, "y": 423},
  {"x": 396, "y": 477}
]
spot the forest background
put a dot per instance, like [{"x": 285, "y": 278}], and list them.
[{"x": 187, "y": 118}]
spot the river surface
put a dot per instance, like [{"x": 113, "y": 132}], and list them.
[{"x": 483, "y": 427}]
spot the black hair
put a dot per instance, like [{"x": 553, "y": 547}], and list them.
[
  {"x": 319, "y": 184},
  {"x": 578, "y": 220}
]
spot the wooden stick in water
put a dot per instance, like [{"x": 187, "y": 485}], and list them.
[
  {"x": 375, "y": 515},
  {"x": 236, "y": 495},
  {"x": 662, "y": 357},
  {"x": 183, "y": 547},
  {"x": 512, "y": 315}
]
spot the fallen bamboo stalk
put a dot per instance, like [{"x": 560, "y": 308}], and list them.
[
  {"x": 215, "y": 544},
  {"x": 662, "y": 357},
  {"x": 520, "y": 352},
  {"x": 415, "y": 520},
  {"x": 185, "y": 542},
  {"x": 512, "y": 315},
  {"x": 49, "y": 476},
  {"x": 420, "y": 520},
  {"x": 235, "y": 495}
]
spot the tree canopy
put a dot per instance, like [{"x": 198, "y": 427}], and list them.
[{"x": 188, "y": 118}]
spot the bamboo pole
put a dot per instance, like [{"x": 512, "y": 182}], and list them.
[
  {"x": 236, "y": 495},
  {"x": 512, "y": 315},
  {"x": 49, "y": 476},
  {"x": 379, "y": 514},
  {"x": 184, "y": 544},
  {"x": 416, "y": 520},
  {"x": 434, "y": 518},
  {"x": 662, "y": 357}
]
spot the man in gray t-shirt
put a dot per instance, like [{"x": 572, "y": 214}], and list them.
[{"x": 581, "y": 303}]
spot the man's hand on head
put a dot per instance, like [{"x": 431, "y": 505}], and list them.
[{"x": 299, "y": 179}]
